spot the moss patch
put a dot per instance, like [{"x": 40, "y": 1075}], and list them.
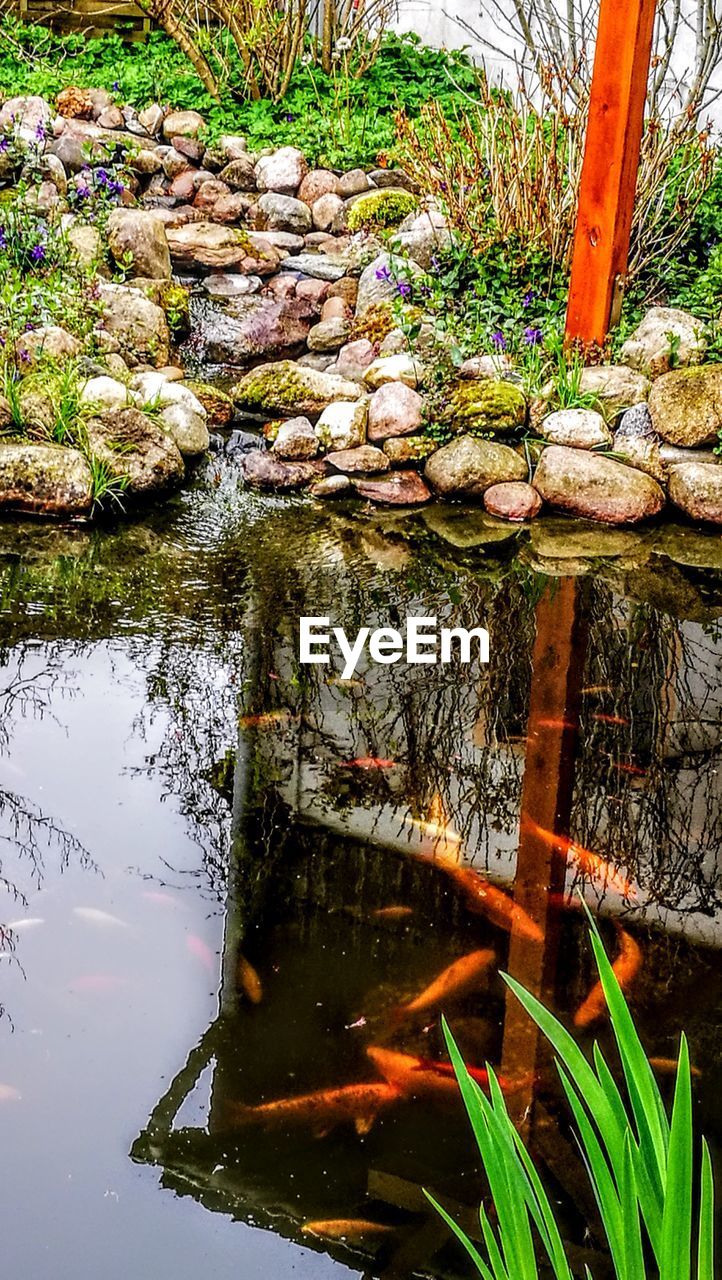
[
  {"x": 378, "y": 210},
  {"x": 477, "y": 407}
]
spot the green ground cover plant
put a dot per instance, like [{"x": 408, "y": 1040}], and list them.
[{"x": 650, "y": 1173}]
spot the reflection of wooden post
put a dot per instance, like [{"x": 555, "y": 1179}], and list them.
[
  {"x": 609, "y": 171},
  {"x": 557, "y": 670}
]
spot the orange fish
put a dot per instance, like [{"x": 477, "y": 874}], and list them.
[
  {"x": 350, "y": 1230},
  {"x": 597, "y": 688},
  {"x": 634, "y": 769},
  {"x": 358, "y": 1104},
  {"x": 367, "y": 762},
  {"x": 267, "y": 719},
  {"x": 483, "y": 898},
  {"x": 392, "y": 913},
  {"x": 605, "y": 719},
  {"x": 248, "y": 981},
  {"x": 592, "y": 864},
  {"x": 437, "y": 823},
  {"x": 419, "y": 1077},
  {"x": 668, "y": 1067},
  {"x": 626, "y": 967},
  {"x": 461, "y": 977},
  {"x": 555, "y": 724}
]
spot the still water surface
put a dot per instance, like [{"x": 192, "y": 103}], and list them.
[{"x": 228, "y": 876}]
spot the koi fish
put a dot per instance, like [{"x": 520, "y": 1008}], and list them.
[
  {"x": 634, "y": 769},
  {"x": 626, "y": 967},
  {"x": 28, "y": 922},
  {"x": 592, "y": 864},
  {"x": 8, "y": 1093},
  {"x": 367, "y": 762},
  {"x": 420, "y": 1077},
  {"x": 98, "y": 982},
  {"x": 597, "y": 688},
  {"x": 555, "y": 724},
  {"x": 93, "y": 915},
  {"x": 162, "y": 899},
  {"x": 248, "y": 980},
  {"x": 267, "y": 719},
  {"x": 484, "y": 899},
  {"x": 668, "y": 1067},
  {"x": 605, "y": 719},
  {"x": 201, "y": 951},
  {"x": 392, "y": 913},
  {"x": 358, "y": 1104},
  {"x": 437, "y": 823},
  {"x": 350, "y": 1230},
  {"x": 457, "y": 980}
]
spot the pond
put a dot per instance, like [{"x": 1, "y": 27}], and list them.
[{"x": 230, "y": 877}]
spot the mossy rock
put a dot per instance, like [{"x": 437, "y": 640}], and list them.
[
  {"x": 378, "y": 210},
  {"x": 478, "y": 407},
  {"x": 287, "y": 389},
  {"x": 216, "y": 403},
  {"x": 375, "y": 324}
]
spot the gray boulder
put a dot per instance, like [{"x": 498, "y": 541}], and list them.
[
  {"x": 468, "y": 467},
  {"x": 287, "y": 387},
  {"x": 666, "y": 338},
  {"x": 283, "y": 213},
  {"x": 135, "y": 449},
  {"x": 44, "y": 479},
  {"x": 686, "y": 405},
  {"x": 596, "y": 488},
  {"x": 696, "y": 488},
  {"x": 137, "y": 239}
]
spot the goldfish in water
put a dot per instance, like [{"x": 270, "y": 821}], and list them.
[
  {"x": 626, "y": 967},
  {"x": 27, "y": 922},
  {"x": 483, "y": 898},
  {"x": 555, "y": 724},
  {"x": 607, "y": 719},
  {"x": 420, "y": 1077},
  {"x": 634, "y": 769},
  {"x": 350, "y": 1230},
  {"x": 201, "y": 951},
  {"x": 161, "y": 899},
  {"x": 267, "y": 719},
  {"x": 436, "y": 824},
  {"x": 392, "y": 913},
  {"x": 367, "y": 762},
  {"x": 668, "y": 1067},
  {"x": 597, "y": 688},
  {"x": 93, "y": 915},
  {"x": 461, "y": 977},
  {"x": 358, "y": 1104},
  {"x": 592, "y": 864},
  {"x": 248, "y": 980}
]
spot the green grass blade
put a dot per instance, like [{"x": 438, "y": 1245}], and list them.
[
  {"x": 629, "y": 1205},
  {"x": 468, "y": 1244},
  {"x": 674, "y": 1257},
  {"x": 705, "y": 1247}
]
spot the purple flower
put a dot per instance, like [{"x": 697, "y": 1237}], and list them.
[
  {"x": 37, "y": 253},
  {"x": 528, "y": 298},
  {"x": 383, "y": 273},
  {"x": 4, "y": 144},
  {"x": 116, "y": 86},
  {"x": 101, "y": 177},
  {"x": 40, "y": 132},
  {"x": 3, "y": 239},
  {"x": 115, "y": 188},
  {"x": 435, "y": 262},
  {"x": 532, "y": 336},
  {"x": 24, "y": 355},
  {"x": 290, "y": 117},
  {"x": 403, "y": 288},
  {"x": 83, "y": 192},
  {"x": 498, "y": 340}
]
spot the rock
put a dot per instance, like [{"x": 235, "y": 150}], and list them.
[
  {"x": 672, "y": 455},
  {"x": 139, "y": 326},
  {"x": 207, "y": 196},
  {"x": 465, "y": 529},
  {"x": 263, "y": 471},
  {"x": 6, "y": 413},
  {"x": 365, "y": 459},
  {"x": 515, "y": 500},
  {"x": 317, "y": 184},
  {"x": 651, "y": 349},
  {"x": 111, "y": 118},
  {"x": 346, "y": 288},
  {"x": 26, "y": 117},
  {"x": 379, "y": 209},
  {"x": 698, "y": 548},
  {"x": 137, "y": 240},
  {"x": 296, "y": 440},
  {"x": 399, "y": 368},
  {"x": 319, "y": 265},
  {"x": 558, "y": 538},
  {"x": 468, "y": 467},
  {"x": 325, "y": 210},
  {"x": 283, "y": 213},
  {"x": 686, "y": 405},
  {"x": 485, "y": 405},
  {"x": 596, "y": 488},
  {"x": 44, "y": 479},
  {"x": 231, "y": 146},
  {"x": 48, "y": 342},
  {"x": 146, "y": 163},
  {"x": 218, "y": 405},
  {"x": 287, "y": 244},
  {"x": 402, "y": 450},
  {"x": 191, "y": 148},
  {"x": 334, "y": 309},
  {"x": 342, "y": 425},
  {"x": 183, "y": 124},
  {"x": 224, "y": 285},
  {"x": 329, "y": 335},
  {"x": 178, "y": 411},
  {"x": 283, "y": 171},
  {"x": 696, "y": 488},
  {"x": 352, "y": 183},
  {"x": 254, "y": 326},
  {"x": 105, "y": 393},
  {"x": 137, "y": 449},
  {"x": 207, "y": 246},
  {"x": 239, "y": 174},
  {"x": 636, "y": 423},
  {"x": 401, "y": 489},
  {"x": 84, "y": 243},
  {"x": 151, "y": 118},
  {"x": 394, "y": 410},
  {"x": 287, "y": 387},
  {"x": 331, "y": 487},
  {"x": 637, "y": 444},
  {"x": 314, "y": 291},
  {"x": 423, "y": 239},
  {"x": 354, "y": 358},
  {"x": 378, "y": 282},
  {"x": 576, "y": 428},
  {"x": 52, "y": 169},
  {"x": 615, "y": 387},
  {"x": 76, "y": 103}
]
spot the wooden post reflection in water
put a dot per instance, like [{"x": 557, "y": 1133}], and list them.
[{"x": 557, "y": 673}]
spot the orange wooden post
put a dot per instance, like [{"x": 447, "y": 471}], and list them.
[{"x": 609, "y": 170}]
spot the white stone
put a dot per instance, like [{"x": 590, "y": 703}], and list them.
[
  {"x": 343, "y": 425},
  {"x": 283, "y": 171},
  {"x": 399, "y": 368},
  {"x": 577, "y": 429}
]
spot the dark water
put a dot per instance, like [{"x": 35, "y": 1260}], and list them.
[{"x": 175, "y": 791}]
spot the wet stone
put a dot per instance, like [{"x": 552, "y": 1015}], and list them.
[
  {"x": 515, "y": 500},
  {"x": 401, "y": 489},
  {"x": 262, "y": 471},
  {"x": 365, "y": 459}
]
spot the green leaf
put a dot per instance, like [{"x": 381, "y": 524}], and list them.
[
  {"x": 705, "y": 1248},
  {"x": 674, "y": 1256}
]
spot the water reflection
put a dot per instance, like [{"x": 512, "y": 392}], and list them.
[{"x": 362, "y": 838}]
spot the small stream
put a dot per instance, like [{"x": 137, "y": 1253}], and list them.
[{"x": 180, "y": 801}]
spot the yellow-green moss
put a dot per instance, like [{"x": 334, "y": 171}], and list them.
[
  {"x": 484, "y": 405},
  {"x": 377, "y": 210},
  {"x": 375, "y": 324}
]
